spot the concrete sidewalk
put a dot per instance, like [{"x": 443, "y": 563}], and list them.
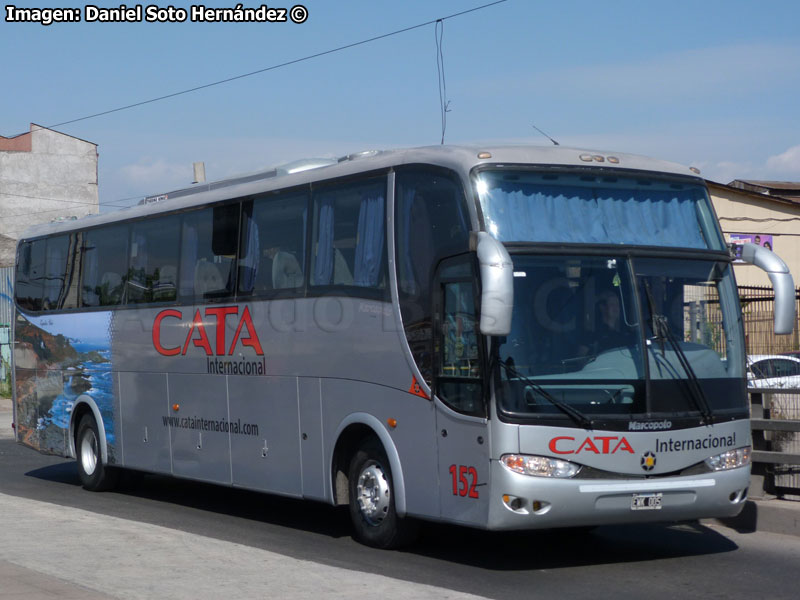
[{"x": 98, "y": 556}]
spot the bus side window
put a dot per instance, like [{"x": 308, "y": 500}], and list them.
[
  {"x": 431, "y": 223},
  {"x": 208, "y": 250},
  {"x": 153, "y": 269},
  {"x": 45, "y": 274},
  {"x": 105, "y": 260},
  {"x": 349, "y": 241},
  {"x": 29, "y": 287},
  {"x": 55, "y": 275},
  {"x": 273, "y": 243}
]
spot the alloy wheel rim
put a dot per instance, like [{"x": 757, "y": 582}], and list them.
[
  {"x": 89, "y": 452},
  {"x": 373, "y": 494}
]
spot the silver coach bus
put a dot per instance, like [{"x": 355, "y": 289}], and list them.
[{"x": 505, "y": 338}]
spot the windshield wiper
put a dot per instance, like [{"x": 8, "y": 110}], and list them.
[
  {"x": 568, "y": 410},
  {"x": 661, "y": 332}
]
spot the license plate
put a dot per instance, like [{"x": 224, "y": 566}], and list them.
[{"x": 646, "y": 501}]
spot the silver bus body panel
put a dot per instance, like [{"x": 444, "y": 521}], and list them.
[{"x": 170, "y": 415}]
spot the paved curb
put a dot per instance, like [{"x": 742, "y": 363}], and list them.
[{"x": 765, "y": 515}]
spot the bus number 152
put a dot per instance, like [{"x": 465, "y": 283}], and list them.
[{"x": 465, "y": 480}]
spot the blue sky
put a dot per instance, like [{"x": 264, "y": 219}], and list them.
[{"x": 714, "y": 84}]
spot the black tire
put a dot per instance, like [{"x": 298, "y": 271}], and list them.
[
  {"x": 372, "y": 507},
  {"x": 94, "y": 475}
]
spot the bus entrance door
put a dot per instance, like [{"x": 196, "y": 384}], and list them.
[
  {"x": 463, "y": 432},
  {"x": 463, "y": 466}
]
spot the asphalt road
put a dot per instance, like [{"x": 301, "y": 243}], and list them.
[{"x": 687, "y": 561}]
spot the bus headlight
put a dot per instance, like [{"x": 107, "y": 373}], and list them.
[
  {"x": 731, "y": 459},
  {"x": 539, "y": 466}
]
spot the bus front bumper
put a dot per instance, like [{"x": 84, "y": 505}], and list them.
[{"x": 525, "y": 502}]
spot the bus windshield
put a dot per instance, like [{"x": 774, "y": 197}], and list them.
[
  {"x": 522, "y": 205},
  {"x": 615, "y": 335}
]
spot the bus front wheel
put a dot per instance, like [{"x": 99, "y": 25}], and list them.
[
  {"x": 372, "y": 502},
  {"x": 94, "y": 475}
]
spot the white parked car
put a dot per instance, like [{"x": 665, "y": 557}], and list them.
[{"x": 773, "y": 371}]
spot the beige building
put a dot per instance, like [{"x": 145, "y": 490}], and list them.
[{"x": 763, "y": 212}]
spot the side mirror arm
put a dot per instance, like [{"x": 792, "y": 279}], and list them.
[{"x": 782, "y": 284}]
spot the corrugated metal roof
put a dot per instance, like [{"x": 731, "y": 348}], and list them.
[
  {"x": 784, "y": 189},
  {"x": 775, "y": 185}
]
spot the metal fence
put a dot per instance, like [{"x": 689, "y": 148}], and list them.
[
  {"x": 758, "y": 314},
  {"x": 775, "y": 420},
  {"x": 775, "y": 412}
]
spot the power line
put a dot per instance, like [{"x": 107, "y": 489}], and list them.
[
  {"x": 55, "y": 210},
  {"x": 278, "y": 66},
  {"x": 439, "y": 22},
  {"x": 444, "y": 103},
  {"x": 79, "y": 202}
]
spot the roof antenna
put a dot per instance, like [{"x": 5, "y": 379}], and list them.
[
  {"x": 545, "y": 135},
  {"x": 444, "y": 103}
]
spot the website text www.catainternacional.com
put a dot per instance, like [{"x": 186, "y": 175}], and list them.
[{"x": 217, "y": 425}]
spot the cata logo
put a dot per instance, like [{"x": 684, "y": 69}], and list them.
[
  {"x": 598, "y": 444},
  {"x": 197, "y": 336}
]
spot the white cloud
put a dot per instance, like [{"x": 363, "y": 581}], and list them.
[
  {"x": 788, "y": 162},
  {"x": 149, "y": 171}
]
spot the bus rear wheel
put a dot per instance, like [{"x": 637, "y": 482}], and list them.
[
  {"x": 372, "y": 501},
  {"x": 94, "y": 475}
]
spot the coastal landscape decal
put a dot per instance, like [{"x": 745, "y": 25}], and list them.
[{"x": 55, "y": 366}]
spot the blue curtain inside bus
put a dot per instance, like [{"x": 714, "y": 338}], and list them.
[
  {"x": 369, "y": 248},
  {"x": 323, "y": 267},
  {"x": 367, "y": 261},
  {"x": 594, "y": 213}
]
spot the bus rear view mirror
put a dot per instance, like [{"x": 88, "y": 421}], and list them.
[
  {"x": 497, "y": 281},
  {"x": 782, "y": 284}
]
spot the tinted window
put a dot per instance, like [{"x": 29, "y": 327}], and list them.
[
  {"x": 56, "y": 272},
  {"x": 349, "y": 238},
  {"x": 431, "y": 223},
  {"x": 786, "y": 368},
  {"x": 273, "y": 244},
  {"x": 762, "y": 369},
  {"x": 458, "y": 382},
  {"x": 29, "y": 286},
  {"x": 47, "y": 273},
  {"x": 208, "y": 253},
  {"x": 153, "y": 270},
  {"x": 105, "y": 265}
]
